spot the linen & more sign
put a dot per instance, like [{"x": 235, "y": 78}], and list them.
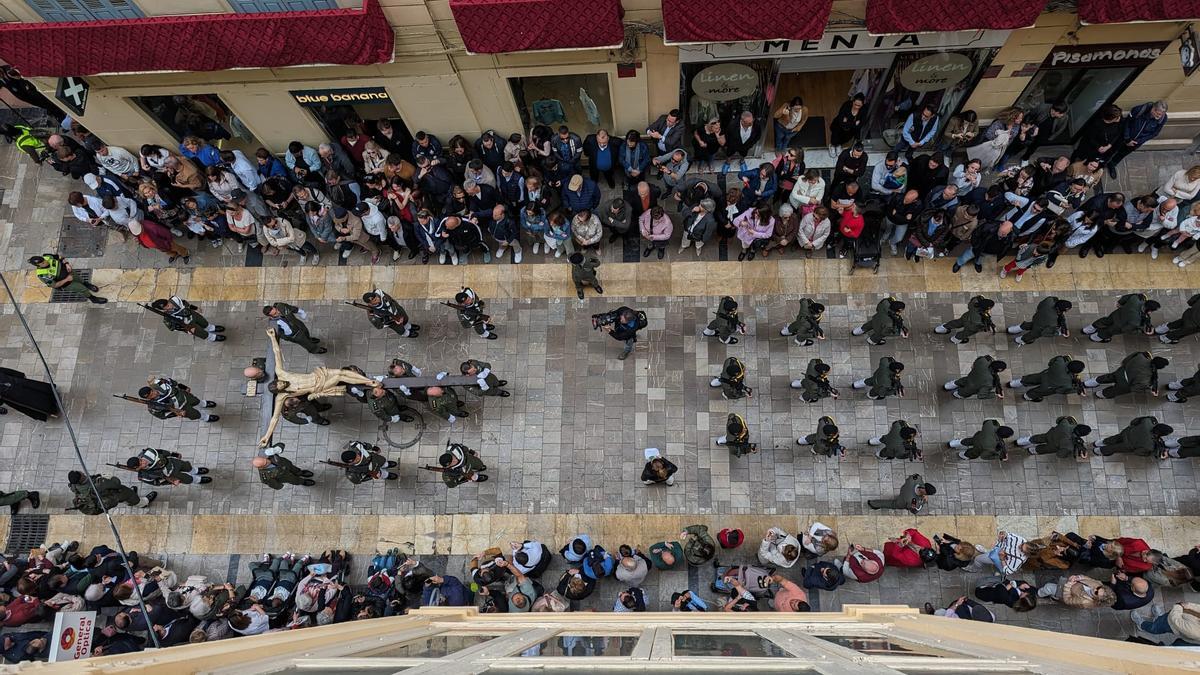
[{"x": 320, "y": 97}]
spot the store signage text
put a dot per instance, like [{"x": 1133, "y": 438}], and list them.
[
  {"x": 936, "y": 72},
  {"x": 319, "y": 97},
  {"x": 1082, "y": 56},
  {"x": 843, "y": 42},
  {"x": 725, "y": 82}
]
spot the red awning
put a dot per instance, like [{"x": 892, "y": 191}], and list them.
[
  {"x": 1121, "y": 11},
  {"x": 741, "y": 21},
  {"x": 199, "y": 42},
  {"x": 495, "y": 26},
  {"x": 924, "y": 16}
]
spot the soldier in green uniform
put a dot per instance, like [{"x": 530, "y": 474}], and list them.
[
  {"x": 885, "y": 381},
  {"x": 386, "y": 406},
  {"x": 815, "y": 386},
  {"x": 737, "y": 436},
  {"x": 1137, "y": 372},
  {"x": 732, "y": 380},
  {"x": 888, "y": 320},
  {"x": 57, "y": 273},
  {"x": 366, "y": 462},
  {"x": 183, "y": 316},
  {"x": 1144, "y": 437},
  {"x": 461, "y": 465},
  {"x": 726, "y": 323},
  {"x": 913, "y": 496},
  {"x": 982, "y": 381},
  {"x": 1131, "y": 316},
  {"x": 987, "y": 443},
  {"x": 806, "y": 327},
  {"x": 583, "y": 272},
  {"x": 162, "y": 467},
  {"x": 487, "y": 382},
  {"x": 445, "y": 404},
  {"x": 385, "y": 312},
  {"x": 1187, "y": 325},
  {"x": 112, "y": 493},
  {"x": 13, "y": 499},
  {"x": 289, "y": 325},
  {"x": 976, "y": 319},
  {"x": 303, "y": 410},
  {"x": 470, "y": 314},
  {"x": 1049, "y": 320},
  {"x": 1064, "y": 439},
  {"x": 358, "y": 392},
  {"x": 825, "y": 440},
  {"x": 275, "y": 470},
  {"x": 168, "y": 398},
  {"x": 1182, "y": 389},
  {"x": 900, "y": 442},
  {"x": 1061, "y": 376},
  {"x": 402, "y": 368}
]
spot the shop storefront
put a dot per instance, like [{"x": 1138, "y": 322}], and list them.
[
  {"x": 895, "y": 73},
  {"x": 338, "y": 110},
  {"x": 1086, "y": 78}
]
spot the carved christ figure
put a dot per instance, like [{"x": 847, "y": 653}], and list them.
[{"x": 320, "y": 383}]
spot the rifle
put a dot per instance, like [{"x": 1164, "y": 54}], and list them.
[
  {"x": 737, "y": 384},
  {"x": 173, "y": 322},
  {"x": 483, "y": 318},
  {"x": 137, "y": 399},
  {"x": 340, "y": 465},
  {"x": 122, "y": 466},
  {"x": 824, "y": 385}
]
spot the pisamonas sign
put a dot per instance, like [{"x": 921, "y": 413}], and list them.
[
  {"x": 725, "y": 82},
  {"x": 1099, "y": 56},
  {"x": 319, "y": 97}
]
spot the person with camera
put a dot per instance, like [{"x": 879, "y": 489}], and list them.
[{"x": 622, "y": 324}]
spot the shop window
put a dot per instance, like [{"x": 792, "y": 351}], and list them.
[
  {"x": 1084, "y": 90},
  {"x": 584, "y": 645},
  {"x": 726, "y": 644},
  {"x": 582, "y": 102},
  {"x": 84, "y": 10},
  {"x": 430, "y": 647},
  {"x": 728, "y": 89},
  {"x": 365, "y": 108},
  {"x": 943, "y": 80},
  {"x": 256, "y": 6},
  {"x": 202, "y": 115}
]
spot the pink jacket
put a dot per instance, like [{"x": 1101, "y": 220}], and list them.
[
  {"x": 749, "y": 229},
  {"x": 658, "y": 230}
]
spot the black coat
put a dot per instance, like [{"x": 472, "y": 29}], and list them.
[{"x": 28, "y": 397}]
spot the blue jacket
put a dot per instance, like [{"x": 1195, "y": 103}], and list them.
[
  {"x": 755, "y": 179},
  {"x": 21, "y": 640},
  {"x": 638, "y": 158},
  {"x": 512, "y": 188},
  {"x": 272, "y": 168},
  {"x": 208, "y": 155},
  {"x": 505, "y": 229},
  {"x": 910, "y": 125},
  {"x": 567, "y": 151},
  {"x": 1141, "y": 126},
  {"x": 452, "y": 592},
  {"x": 588, "y": 197},
  {"x": 433, "y": 151},
  {"x": 311, "y": 159}
]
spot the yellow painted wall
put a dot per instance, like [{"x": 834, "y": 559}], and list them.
[
  {"x": 662, "y": 77},
  {"x": 171, "y": 7}
]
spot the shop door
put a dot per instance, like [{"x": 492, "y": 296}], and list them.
[
  {"x": 1084, "y": 90},
  {"x": 943, "y": 80},
  {"x": 752, "y": 91},
  {"x": 335, "y": 119},
  {"x": 202, "y": 115},
  {"x": 824, "y": 83},
  {"x": 581, "y": 102}
]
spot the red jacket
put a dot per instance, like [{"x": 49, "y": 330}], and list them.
[
  {"x": 22, "y": 610},
  {"x": 851, "y": 225},
  {"x": 1130, "y": 560},
  {"x": 896, "y": 555}
]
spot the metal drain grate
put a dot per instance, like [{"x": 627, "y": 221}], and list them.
[
  {"x": 62, "y": 295},
  {"x": 26, "y": 531},
  {"x": 77, "y": 239}
]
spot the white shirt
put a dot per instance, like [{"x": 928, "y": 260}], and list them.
[
  {"x": 125, "y": 211},
  {"x": 532, "y": 549},
  {"x": 92, "y": 202},
  {"x": 374, "y": 222},
  {"x": 259, "y": 622},
  {"x": 246, "y": 221},
  {"x": 745, "y": 132},
  {"x": 245, "y": 171},
  {"x": 119, "y": 161}
]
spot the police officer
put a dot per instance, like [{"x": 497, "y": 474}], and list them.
[
  {"x": 583, "y": 272},
  {"x": 386, "y": 407},
  {"x": 487, "y": 384},
  {"x": 888, "y": 320},
  {"x": 302, "y": 410},
  {"x": 445, "y": 404},
  {"x": 1061, "y": 376},
  {"x": 726, "y": 323},
  {"x": 1182, "y": 389},
  {"x": 1064, "y": 439},
  {"x": 289, "y": 325},
  {"x": 275, "y": 470},
  {"x": 1189, "y": 324},
  {"x": 470, "y": 314},
  {"x": 732, "y": 380},
  {"x": 1131, "y": 316},
  {"x": 26, "y": 142},
  {"x": 1049, "y": 320},
  {"x": 401, "y": 368},
  {"x": 57, "y": 273},
  {"x": 982, "y": 381},
  {"x": 461, "y": 465},
  {"x": 885, "y": 381},
  {"x": 162, "y": 467},
  {"x": 737, "y": 436},
  {"x": 900, "y": 442},
  {"x": 987, "y": 443},
  {"x": 977, "y": 318},
  {"x": 112, "y": 493},
  {"x": 825, "y": 440},
  {"x": 385, "y": 312},
  {"x": 1144, "y": 437},
  {"x": 168, "y": 398},
  {"x": 1137, "y": 372},
  {"x": 366, "y": 462},
  {"x": 182, "y": 316},
  {"x": 815, "y": 386},
  {"x": 806, "y": 327}
]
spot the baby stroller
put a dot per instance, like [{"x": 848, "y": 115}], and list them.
[{"x": 868, "y": 247}]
